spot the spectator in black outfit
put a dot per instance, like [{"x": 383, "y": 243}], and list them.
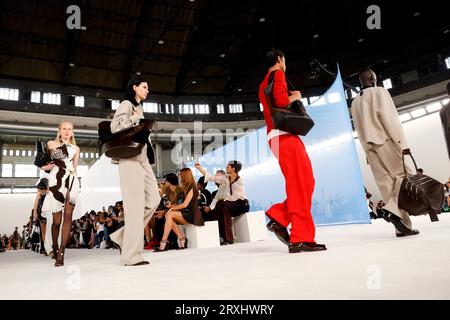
[
  {"x": 205, "y": 199},
  {"x": 172, "y": 194},
  {"x": 15, "y": 240},
  {"x": 42, "y": 190}
]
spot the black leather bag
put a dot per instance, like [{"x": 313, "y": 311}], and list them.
[
  {"x": 294, "y": 118},
  {"x": 125, "y": 144},
  {"x": 420, "y": 194},
  {"x": 42, "y": 157}
]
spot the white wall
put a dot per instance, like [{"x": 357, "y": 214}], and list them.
[
  {"x": 426, "y": 141},
  {"x": 166, "y": 158},
  {"x": 15, "y": 209},
  {"x": 100, "y": 186}
]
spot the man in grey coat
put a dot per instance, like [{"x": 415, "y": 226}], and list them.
[{"x": 383, "y": 140}]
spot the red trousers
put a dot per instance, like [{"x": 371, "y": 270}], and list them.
[{"x": 297, "y": 170}]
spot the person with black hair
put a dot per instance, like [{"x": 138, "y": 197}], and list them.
[
  {"x": 383, "y": 140},
  {"x": 184, "y": 213},
  {"x": 172, "y": 194},
  {"x": 445, "y": 119},
  {"x": 42, "y": 191},
  {"x": 222, "y": 192},
  {"x": 137, "y": 181},
  {"x": 205, "y": 199},
  {"x": 294, "y": 163},
  {"x": 236, "y": 202}
]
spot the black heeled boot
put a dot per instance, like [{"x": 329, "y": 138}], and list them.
[{"x": 60, "y": 257}]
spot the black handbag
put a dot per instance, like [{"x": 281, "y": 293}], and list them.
[
  {"x": 294, "y": 118},
  {"x": 42, "y": 157},
  {"x": 125, "y": 144},
  {"x": 420, "y": 194}
]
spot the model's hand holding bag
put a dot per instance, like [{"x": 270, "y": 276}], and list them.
[
  {"x": 124, "y": 144},
  {"x": 420, "y": 194},
  {"x": 294, "y": 118},
  {"x": 42, "y": 156}
]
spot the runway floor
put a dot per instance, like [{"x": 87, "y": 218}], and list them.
[{"x": 362, "y": 262}]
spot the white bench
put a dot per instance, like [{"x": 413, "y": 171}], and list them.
[
  {"x": 250, "y": 227},
  {"x": 206, "y": 236}
]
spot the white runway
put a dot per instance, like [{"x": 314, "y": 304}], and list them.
[{"x": 362, "y": 262}]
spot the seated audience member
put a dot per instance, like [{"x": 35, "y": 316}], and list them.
[
  {"x": 222, "y": 192},
  {"x": 446, "y": 204},
  {"x": 120, "y": 214},
  {"x": 75, "y": 233},
  {"x": 187, "y": 212},
  {"x": 111, "y": 226},
  {"x": 172, "y": 194},
  {"x": 234, "y": 205},
  {"x": 2, "y": 245},
  {"x": 205, "y": 198},
  {"x": 99, "y": 228},
  {"x": 15, "y": 243}
]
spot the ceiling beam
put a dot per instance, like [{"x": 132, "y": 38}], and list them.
[
  {"x": 234, "y": 80},
  {"x": 72, "y": 37},
  {"x": 187, "y": 60},
  {"x": 128, "y": 71},
  {"x": 161, "y": 35}
]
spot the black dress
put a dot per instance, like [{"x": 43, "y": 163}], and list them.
[{"x": 192, "y": 212}]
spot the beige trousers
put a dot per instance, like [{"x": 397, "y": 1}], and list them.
[
  {"x": 386, "y": 164},
  {"x": 140, "y": 199}
]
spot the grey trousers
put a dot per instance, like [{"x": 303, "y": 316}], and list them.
[
  {"x": 140, "y": 199},
  {"x": 385, "y": 161}
]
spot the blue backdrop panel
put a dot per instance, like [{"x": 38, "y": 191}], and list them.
[{"x": 339, "y": 196}]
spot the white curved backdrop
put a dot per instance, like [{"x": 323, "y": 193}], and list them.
[{"x": 100, "y": 186}]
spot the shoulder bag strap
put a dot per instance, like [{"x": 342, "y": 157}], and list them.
[{"x": 268, "y": 92}]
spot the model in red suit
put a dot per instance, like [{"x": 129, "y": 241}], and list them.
[{"x": 294, "y": 163}]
